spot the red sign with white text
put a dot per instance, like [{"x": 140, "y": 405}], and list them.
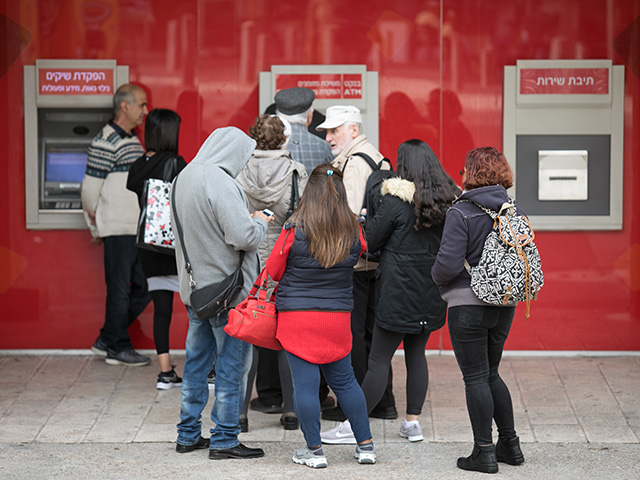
[
  {"x": 329, "y": 86},
  {"x": 75, "y": 81},
  {"x": 572, "y": 81}
]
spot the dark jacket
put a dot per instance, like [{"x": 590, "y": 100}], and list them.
[
  {"x": 153, "y": 264},
  {"x": 465, "y": 231},
  {"x": 306, "y": 285},
  {"x": 407, "y": 298}
]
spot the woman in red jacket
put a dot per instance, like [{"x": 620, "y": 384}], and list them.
[{"x": 313, "y": 260}]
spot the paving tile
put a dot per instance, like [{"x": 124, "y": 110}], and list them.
[
  {"x": 559, "y": 433},
  {"x": 63, "y": 433},
  {"x": 19, "y": 433}
]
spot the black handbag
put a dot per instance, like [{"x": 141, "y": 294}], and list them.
[
  {"x": 295, "y": 196},
  {"x": 154, "y": 230},
  {"x": 211, "y": 300}
]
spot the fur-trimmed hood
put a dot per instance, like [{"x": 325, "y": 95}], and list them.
[{"x": 399, "y": 187}]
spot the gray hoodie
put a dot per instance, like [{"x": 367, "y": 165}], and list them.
[{"x": 214, "y": 215}]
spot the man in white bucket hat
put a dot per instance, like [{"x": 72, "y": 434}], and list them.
[{"x": 343, "y": 125}]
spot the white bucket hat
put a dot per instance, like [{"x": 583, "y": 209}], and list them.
[{"x": 339, "y": 115}]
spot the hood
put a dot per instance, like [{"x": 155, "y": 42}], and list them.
[
  {"x": 228, "y": 148},
  {"x": 491, "y": 197},
  {"x": 399, "y": 187}
]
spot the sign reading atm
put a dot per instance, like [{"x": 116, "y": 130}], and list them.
[{"x": 325, "y": 86}]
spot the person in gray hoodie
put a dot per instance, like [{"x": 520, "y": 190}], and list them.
[{"x": 217, "y": 226}]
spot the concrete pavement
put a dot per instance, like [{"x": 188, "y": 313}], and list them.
[{"x": 72, "y": 416}]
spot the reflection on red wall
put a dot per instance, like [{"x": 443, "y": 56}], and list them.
[{"x": 440, "y": 70}]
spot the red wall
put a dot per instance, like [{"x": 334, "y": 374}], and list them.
[{"x": 202, "y": 59}]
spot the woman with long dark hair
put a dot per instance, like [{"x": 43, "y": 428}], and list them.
[
  {"x": 406, "y": 229},
  {"x": 161, "y": 130},
  {"x": 313, "y": 260},
  {"x": 478, "y": 330}
]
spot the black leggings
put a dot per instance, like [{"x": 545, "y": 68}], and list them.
[
  {"x": 383, "y": 346},
  {"x": 162, "y": 310}
]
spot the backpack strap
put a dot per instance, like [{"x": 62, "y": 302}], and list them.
[{"x": 374, "y": 166}]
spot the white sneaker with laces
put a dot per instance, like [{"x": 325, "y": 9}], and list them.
[
  {"x": 365, "y": 456},
  {"x": 341, "y": 435},
  {"x": 303, "y": 456},
  {"x": 411, "y": 430}
]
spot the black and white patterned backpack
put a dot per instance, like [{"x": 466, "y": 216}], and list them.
[{"x": 509, "y": 270}]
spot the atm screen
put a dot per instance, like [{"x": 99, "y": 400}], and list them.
[{"x": 65, "y": 167}]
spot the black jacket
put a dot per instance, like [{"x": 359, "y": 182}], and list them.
[
  {"x": 465, "y": 231},
  {"x": 153, "y": 264},
  {"x": 408, "y": 300}
]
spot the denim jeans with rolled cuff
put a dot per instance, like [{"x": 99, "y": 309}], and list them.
[{"x": 206, "y": 340}]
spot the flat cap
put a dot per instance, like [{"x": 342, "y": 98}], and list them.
[{"x": 292, "y": 101}]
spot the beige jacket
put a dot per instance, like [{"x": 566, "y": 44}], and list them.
[{"x": 355, "y": 177}]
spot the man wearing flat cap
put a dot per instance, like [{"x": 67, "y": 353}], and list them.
[
  {"x": 343, "y": 125},
  {"x": 295, "y": 105}
]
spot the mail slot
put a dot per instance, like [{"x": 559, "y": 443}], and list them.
[{"x": 563, "y": 175}]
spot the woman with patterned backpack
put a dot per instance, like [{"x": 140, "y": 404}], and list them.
[{"x": 478, "y": 330}]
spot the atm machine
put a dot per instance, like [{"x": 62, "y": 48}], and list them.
[
  {"x": 563, "y": 137},
  {"x": 66, "y": 103},
  {"x": 332, "y": 85}
]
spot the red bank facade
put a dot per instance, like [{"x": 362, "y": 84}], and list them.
[{"x": 553, "y": 84}]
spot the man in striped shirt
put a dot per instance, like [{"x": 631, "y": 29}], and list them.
[{"x": 111, "y": 212}]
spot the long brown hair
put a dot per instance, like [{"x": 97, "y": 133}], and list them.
[{"x": 324, "y": 215}]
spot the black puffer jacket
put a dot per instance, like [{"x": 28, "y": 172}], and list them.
[{"x": 408, "y": 299}]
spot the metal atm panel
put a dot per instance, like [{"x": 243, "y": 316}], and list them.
[
  {"x": 67, "y": 102},
  {"x": 333, "y": 85},
  {"x": 563, "y": 137}
]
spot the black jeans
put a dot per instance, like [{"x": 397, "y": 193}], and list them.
[
  {"x": 478, "y": 334},
  {"x": 362, "y": 322},
  {"x": 127, "y": 291}
]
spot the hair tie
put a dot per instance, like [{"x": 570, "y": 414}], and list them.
[{"x": 330, "y": 173}]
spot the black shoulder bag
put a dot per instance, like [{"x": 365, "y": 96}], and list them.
[
  {"x": 211, "y": 300},
  {"x": 295, "y": 196}
]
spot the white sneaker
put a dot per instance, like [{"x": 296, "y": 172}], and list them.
[
  {"x": 304, "y": 457},
  {"x": 341, "y": 435},
  {"x": 411, "y": 430},
  {"x": 365, "y": 456}
]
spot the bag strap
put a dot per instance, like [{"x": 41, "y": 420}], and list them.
[
  {"x": 295, "y": 195},
  {"x": 178, "y": 228},
  {"x": 170, "y": 169},
  {"x": 262, "y": 284},
  {"x": 374, "y": 166}
]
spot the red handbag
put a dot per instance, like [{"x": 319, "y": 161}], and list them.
[{"x": 254, "y": 320}]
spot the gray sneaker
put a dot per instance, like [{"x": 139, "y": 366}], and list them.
[
  {"x": 412, "y": 431},
  {"x": 340, "y": 435},
  {"x": 130, "y": 358},
  {"x": 365, "y": 456},
  {"x": 314, "y": 460}
]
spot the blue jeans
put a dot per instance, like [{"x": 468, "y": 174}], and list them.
[
  {"x": 127, "y": 292},
  {"x": 207, "y": 340},
  {"x": 340, "y": 377},
  {"x": 478, "y": 335}
]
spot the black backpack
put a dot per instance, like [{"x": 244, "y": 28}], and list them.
[{"x": 372, "y": 195}]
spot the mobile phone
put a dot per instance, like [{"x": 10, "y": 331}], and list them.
[{"x": 267, "y": 212}]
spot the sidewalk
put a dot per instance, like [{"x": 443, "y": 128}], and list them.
[{"x": 73, "y": 416}]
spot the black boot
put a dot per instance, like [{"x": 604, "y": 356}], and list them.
[
  {"x": 508, "y": 451},
  {"x": 482, "y": 459}
]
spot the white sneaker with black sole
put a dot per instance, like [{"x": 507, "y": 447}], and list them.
[{"x": 341, "y": 435}]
